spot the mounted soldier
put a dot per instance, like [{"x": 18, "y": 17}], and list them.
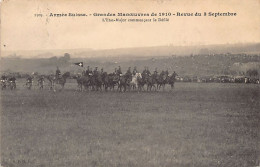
[
  {"x": 87, "y": 71},
  {"x": 147, "y": 71},
  {"x": 12, "y": 82},
  {"x": 144, "y": 71},
  {"x": 128, "y": 73},
  {"x": 174, "y": 74},
  {"x": 58, "y": 73},
  {"x": 155, "y": 72},
  {"x": 90, "y": 72},
  {"x": 119, "y": 72},
  {"x": 4, "y": 77},
  {"x": 166, "y": 72},
  {"x": 115, "y": 72},
  {"x": 162, "y": 73},
  {"x": 29, "y": 81},
  {"x": 41, "y": 82},
  {"x": 135, "y": 70},
  {"x": 4, "y": 81},
  {"x": 95, "y": 72},
  {"x": 172, "y": 79}
]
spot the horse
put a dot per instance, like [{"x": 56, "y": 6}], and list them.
[
  {"x": 41, "y": 82},
  {"x": 162, "y": 81},
  {"x": 3, "y": 83},
  {"x": 141, "y": 80},
  {"x": 61, "y": 81},
  {"x": 151, "y": 81},
  {"x": 96, "y": 82},
  {"x": 83, "y": 80},
  {"x": 134, "y": 82},
  {"x": 11, "y": 82},
  {"x": 113, "y": 80},
  {"x": 172, "y": 79},
  {"x": 29, "y": 83},
  {"x": 124, "y": 82},
  {"x": 105, "y": 80}
]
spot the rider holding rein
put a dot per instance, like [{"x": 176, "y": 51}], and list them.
[{"x": 58, "y": 73}]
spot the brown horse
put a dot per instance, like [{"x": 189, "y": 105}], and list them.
[
  {"x": 172, "y": 79},
  {"x": 61, "y": 81}
]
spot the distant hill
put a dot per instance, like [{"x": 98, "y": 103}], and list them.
[
  {"x": 196, "y": 65},
  {"x": 247, "y": 48}
]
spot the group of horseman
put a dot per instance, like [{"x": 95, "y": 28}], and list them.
[
  {"x": 116, "y": 78},
  {"x": 8, "y": 81},
  {"x": 118, "y": 72},
  {"x": 120, "y": 79}
]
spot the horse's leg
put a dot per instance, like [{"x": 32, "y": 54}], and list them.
[
  {"x": 125, "y": 87},
  {"x": 163, "y": 87},
  {"x": 105, "y": 86}
]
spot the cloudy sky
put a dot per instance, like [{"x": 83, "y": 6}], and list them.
[{"x": 21, "y": 30}]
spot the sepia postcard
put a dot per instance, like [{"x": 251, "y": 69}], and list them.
[{"x": 142, "y": 83}]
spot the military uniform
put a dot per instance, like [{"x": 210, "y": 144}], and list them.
[
  {"x": 29, "y": 79},
  {"x": 174, "y": 74},
  {"x": 90, "y": 73},
  {"x": 119, "y": 72},
  {"x": 148, "y": 72},
  {"x": 155, "y": 71},
  {"x": 58, "y": 73},
  {"x": 95, "y": 72},
  {"x": 128, "y": 73},
  {"x": 134, "y": 71},
  {"x": 115, "y": 72},
  {"x": 87, "y": 71},
  {"x": 4, "y": 78}
]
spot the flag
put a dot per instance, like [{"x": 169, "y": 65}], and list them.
[{"x": 79, "y": 64}]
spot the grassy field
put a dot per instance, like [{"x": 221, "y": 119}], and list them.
[{"x": 194, "y": 125}]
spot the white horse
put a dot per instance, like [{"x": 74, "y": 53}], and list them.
[{"x": 134, "y": 82}]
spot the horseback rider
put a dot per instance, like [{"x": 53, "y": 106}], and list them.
[
  {"x": 41, "y": 81},
  {"x": 95, "y": 72},
  {"x": 155, "y": 72},
  {"x": 174, "y": 74},
  {"x": 29, "y": 79},
  {"x": 41, "y": 78},
  {"x": 90, "y": 73},
  {"x": 166, "y": 72},
  {"x": 144, "y": 71},
  {"x": 12, "y": 78},
  {"x": 87, "y": 71},
  {"x": 4, "y": 78},
  {"x": 115, "y": 72},
  {"x": 58, "y": 73},
  {"x": 162, "y": 73},
  {"x": 147, "y": 71},
  {"x": 3, "y": 81},
  {"x": 119, "y": 72},
  {"x": 128, "y": 73},
  {"x": 134, "y": 71}
]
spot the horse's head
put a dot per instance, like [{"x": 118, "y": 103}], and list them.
[{"x": 138, "y": 75}]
